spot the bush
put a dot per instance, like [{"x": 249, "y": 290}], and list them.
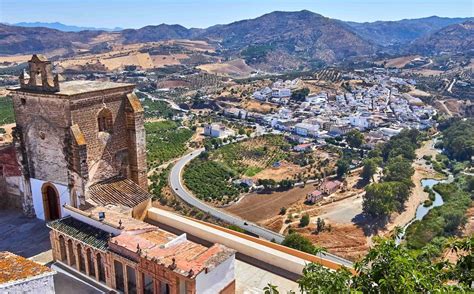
[
  {"x": 304, "y": 221},
  {"x": 299, "y": 242}
]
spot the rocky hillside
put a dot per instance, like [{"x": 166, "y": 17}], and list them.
[
  {"x": 388, "y": 33},
  {"x": 22, "y": 40},
  {"x": 452, "y": 39},
  {"x": 274, "y": 41},
  {"x": 304, "y": 34}
]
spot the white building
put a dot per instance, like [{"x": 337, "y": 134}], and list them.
[
  {"x": 280, "y": 93},
  {"x": 218, "y": 131},
  {"x": 306, "y": 130},
  {"x": 360, "y": 121}
]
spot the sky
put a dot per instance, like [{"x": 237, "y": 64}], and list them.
[{"x": 204, "y": 13}]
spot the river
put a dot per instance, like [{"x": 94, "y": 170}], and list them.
[{"x": 423, "y": 210}]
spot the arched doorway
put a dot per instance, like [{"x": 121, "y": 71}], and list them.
[{"x": 51, "y": 203}]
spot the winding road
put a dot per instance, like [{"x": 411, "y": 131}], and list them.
[{"x": 179, "y": 189}]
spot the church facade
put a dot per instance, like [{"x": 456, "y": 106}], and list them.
[{"x": 79, "y": 143}]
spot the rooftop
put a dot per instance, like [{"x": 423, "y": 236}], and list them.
[
  {"x": 78, "y": 230},
  {"x": 14, "y": 268},
  {"x": 79, "y": 87},
  {"x": 118, "y": 191},
  {"x": 71, "y": 88}
]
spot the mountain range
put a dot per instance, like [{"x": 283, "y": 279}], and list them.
[
  {"x": 63, "y": 27},
  {"x": 302, "y": 36}
]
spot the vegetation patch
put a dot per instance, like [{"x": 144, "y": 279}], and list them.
[
  {"x": 154, "y": 109},
  {"x": 441, "y": 221},
  {"x": 210, "y": 180},
  {"x": 6, "y": 111},
  {"x": 165, "y": 140}
]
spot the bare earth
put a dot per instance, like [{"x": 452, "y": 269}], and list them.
[{"x": 260, "y": 207}]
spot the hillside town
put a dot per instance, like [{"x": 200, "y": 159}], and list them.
[{"x": 289, "y": 152}]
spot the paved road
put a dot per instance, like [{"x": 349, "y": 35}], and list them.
[
  {"x": 171, "y": 103},
  {"x": 185, "y": 195}
]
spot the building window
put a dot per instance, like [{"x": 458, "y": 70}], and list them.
[
  {"x": 70, "y": 249},
  {"x": 119, "y": 280},
  {"x": 62, "y": 249},
  {"x": 104, "y": 120},
  {"x": 100, "y": 267},
  {"x": 82, "y": 263},
  {"x": 90, "y": 261},
  {"x": 147, "y": 284},
  {"x": 131, "y": 280}
]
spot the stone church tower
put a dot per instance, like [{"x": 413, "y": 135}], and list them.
[{"x": 73, "y": 136}]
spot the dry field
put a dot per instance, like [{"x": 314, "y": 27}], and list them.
[
  {"x": 398, "y": 62},
  {"x": 285, "y": 171},
  {"x": 345, "y": 240},
  {"x": 261, "y": 207},
  {"x": 256, "y": 106},
  {"x": 237, "y": 68},
  {"x": 15, "y": 58}
]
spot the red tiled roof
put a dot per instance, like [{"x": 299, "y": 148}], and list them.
[
  {"x": 315, "y": 193},
  {"x": 330, "y": 185},
  {"x": 9, "y": 166},
  {"x": 189, "y": 258}
]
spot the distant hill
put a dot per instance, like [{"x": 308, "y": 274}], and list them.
[
  {"x": 156, "y": 33},
  {"x": 62, "y": 27},
  {"x": 274, "y": 41},
  {"x": 451, "y": 39},
  {"x": 22, "y": 40},
  {"x": 387, "y": 33},
  {"x": 301, "y": 34}
]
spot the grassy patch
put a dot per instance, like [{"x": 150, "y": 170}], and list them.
[
  {"x": 165, "y": 140},
  {"x": 252, "y": 171},
  {"x": 154, "y": 109},
  {"x": 6, "y": 111}
]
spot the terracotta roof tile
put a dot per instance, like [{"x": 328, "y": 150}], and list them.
[
  {"x": 118, "y": 191},
  {"x": 14, "y": 267}
]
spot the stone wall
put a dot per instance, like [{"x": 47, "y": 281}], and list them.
[
  {"x": 103, "y": 148},
  {"x": 42, "y": 125}
]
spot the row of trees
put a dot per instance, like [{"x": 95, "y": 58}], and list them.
[
  {"x": 165, "y": 140},
  {"x": 390, "y": 194},
  {"x": 210, "y": 180},
  {"x": 392, "y": 268},
  {"x": 458, "y": 139}
]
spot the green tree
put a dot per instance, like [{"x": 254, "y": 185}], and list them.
[
  {"x": 319, "y": 279},
  {"x": 370, "y": 168},
  {"x": 379, "y": 200},
  {"x": 399, "y": 169},
  {"x": 320, "y": 224},
  {"x": 304, "y": 221},
  {"x": 301, "y": 243},
  {"x": 355, "y": 138},
  {"x": 389, "y": 268},
  {"x": 342, "y": 167},
  {"x": 299, "y": 95}
]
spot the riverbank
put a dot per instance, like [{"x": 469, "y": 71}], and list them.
[{"x": 418, "y": 195}]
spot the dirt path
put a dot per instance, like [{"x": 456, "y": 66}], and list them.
[{"x": 422, "y": 171}]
